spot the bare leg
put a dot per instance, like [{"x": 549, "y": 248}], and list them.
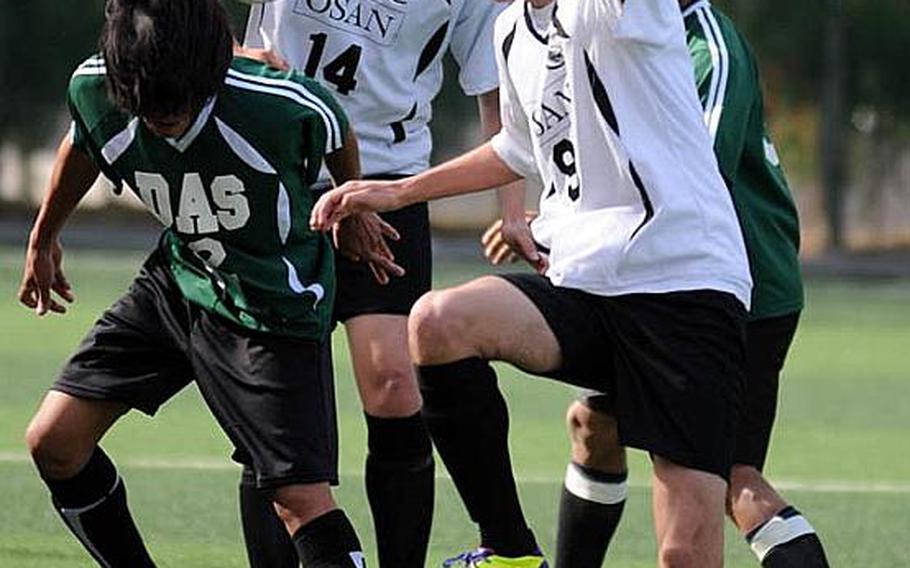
[
  {"x": 486, "y": 318},
  {"x": 453, "y": 335},
  {"x": 751, "y": 500},
  {"x": 400, "y": 473},
  {"x": 688, "y": 508},
  {"x": 594, "y": 493},
  {"x": 64, "y": 432},
  {"x": 321, "y": 532},
  {"x": 87, "y": 490}
]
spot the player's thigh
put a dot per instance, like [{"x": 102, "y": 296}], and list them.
[
  {"x": 273, "y": 397},
  {"x": 688, "y": 508},
  {"x": 378, "y": 345},
  {"x": 489, "y": 318}
]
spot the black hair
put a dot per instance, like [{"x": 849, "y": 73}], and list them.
[{"x": 165, "y": 57}]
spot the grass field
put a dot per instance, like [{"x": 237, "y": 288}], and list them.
[{"x": 841, "y": 447}]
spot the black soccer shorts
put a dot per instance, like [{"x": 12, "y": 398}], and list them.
[
  {"x": 672, "y": 364},
  {"x": 273, "y": 396},
  {"x": 767, "y": 342},
  {"x": 358, "y": 293}
]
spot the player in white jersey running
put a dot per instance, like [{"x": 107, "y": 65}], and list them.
[
  {"x": 382, "y": 59},
  {"x": 646, "y": 290}
]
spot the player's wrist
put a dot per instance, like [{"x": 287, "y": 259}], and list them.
[{"x": 41, "y": 240}]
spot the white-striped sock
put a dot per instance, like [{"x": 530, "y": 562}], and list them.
[
  {"x": 583, "y": 486},
  {"x": 782, "y": 528}
]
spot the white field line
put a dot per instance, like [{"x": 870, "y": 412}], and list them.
[{"x": 214, "y": 464}]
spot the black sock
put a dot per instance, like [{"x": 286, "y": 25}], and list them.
[
  {"x": 93, "y": 505},
  {"x": 268, "y": 544},
  {"x": 787, "y": 540},
  {"x": 400, "y": 485},
  {"x": 589, "y": 512},
  {"x": 469, "y": 422},
  {"x": 329, "y": 541}
]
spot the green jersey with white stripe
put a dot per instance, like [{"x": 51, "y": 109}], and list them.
[
  {"x": 232, "y": 192},
  {"x": 728, "y": 85}
]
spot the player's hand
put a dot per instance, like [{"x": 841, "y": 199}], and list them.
[
  {"x": 352, "y": 198},
  {"x": 268, "y": 56},
  {"x": 43, "y": 274},
  {"x": 364, "y": 238},
  {"x": 509, "y": 240}
]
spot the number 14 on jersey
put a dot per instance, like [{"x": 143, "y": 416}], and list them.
[{"x": 340, "y": 71}]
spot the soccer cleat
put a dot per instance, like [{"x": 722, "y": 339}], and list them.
[{"x": 486, "y": 558}]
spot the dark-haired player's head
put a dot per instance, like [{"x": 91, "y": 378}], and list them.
[{"x": 165, "y": 58}]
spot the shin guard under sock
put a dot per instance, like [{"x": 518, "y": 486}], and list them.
[
  {"x": 268, "y": 544},
  {"x": 589, "y": 512},
  {"x": 469, "y": 422},
  {"x": 329, "y": 541},
  {"x": 93, "y": 505},
  {"x": 400, "y": 484},
  {"x": 787, "y": 540}
]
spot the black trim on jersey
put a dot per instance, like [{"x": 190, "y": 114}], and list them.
[
  {"x": 601, "y": 98},
  {"x": 398, "y": 126},
  {"x": 531, "y": 27},
  {"x": 431, "y": 49},
  {"x": 507, "y": 42},
  {"x": 645, "y": 199},
  {"x": 557, "y": 25}
]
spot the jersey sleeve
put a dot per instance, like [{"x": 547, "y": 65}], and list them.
[
  {"x": 325, "y": 125},
  {"x": 654, "y": 22},
  {"x": 513, "y": 142},
  {"x": 327, "y": 119},
  {"x": 472, "y": 46},
  {"x": 86, "y": 100},
  {"x": 726, "y": 77}
]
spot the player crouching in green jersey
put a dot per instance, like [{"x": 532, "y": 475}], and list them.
[{"x": 237, "y": 296}]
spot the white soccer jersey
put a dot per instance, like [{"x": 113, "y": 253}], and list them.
[
  {"x": 651, "y": 213},
  {"x": 383, "y": 61},
  {"x": 534, "y": 98}
]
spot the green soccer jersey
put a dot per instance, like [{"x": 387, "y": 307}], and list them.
[
  {"x": 232, "y": 192},
  {"x": 728, "y": 84}
]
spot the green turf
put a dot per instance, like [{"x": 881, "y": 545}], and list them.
[{"x": 843, "y": 422}]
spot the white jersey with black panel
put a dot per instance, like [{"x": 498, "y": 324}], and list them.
[
  {"x": 383, "y": 61},
  {"x": 533, "y": 95},
  {"x": 651, "y": 213}
]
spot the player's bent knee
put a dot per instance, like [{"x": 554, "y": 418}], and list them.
[
  {"x": 55, "y": 454},
  {"x": 435, "y": 328}
]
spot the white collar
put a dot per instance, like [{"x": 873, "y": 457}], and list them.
[{"x": 183, "y": 142}]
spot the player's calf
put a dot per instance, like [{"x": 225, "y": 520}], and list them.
[
  {"x": 594, "y": 492},
  {"x": 778, "y": 534}
]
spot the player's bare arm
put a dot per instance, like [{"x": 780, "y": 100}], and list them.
[
  {"x": 478, "y": 170},
  {"x": 73, "y": 175},
  {"x": 514, "y": 230}
]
